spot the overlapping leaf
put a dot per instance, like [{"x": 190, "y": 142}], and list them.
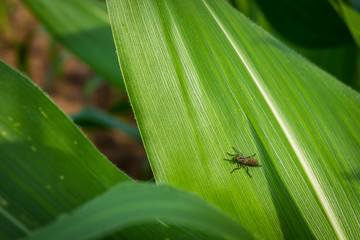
[
  {"x": 47, "y": 166},
  {"x": 306, "y": 22},
  {"x": 134, "y": 204},
  {"x": 352, "y": 19}
]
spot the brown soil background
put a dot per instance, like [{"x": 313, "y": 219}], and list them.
[{"x": 23, "y": 37}]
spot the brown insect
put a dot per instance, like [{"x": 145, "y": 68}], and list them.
[{"x": 242, "y": 161}]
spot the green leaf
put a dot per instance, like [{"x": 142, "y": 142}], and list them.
[
  {"x": 306, "y": 22},
  {"x": 133, "y": 204},
  {"x": 47, "y": 166},
  {"x": 96, "y": 118},
  {"x": 340, "y": 60},
  {"x": 202, "y": 78},
  {"x": 83, "y": 27},
  {"x": 352, "y": 19}
]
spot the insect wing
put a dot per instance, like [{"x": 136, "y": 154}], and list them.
[{"x": 252, "y": 162}]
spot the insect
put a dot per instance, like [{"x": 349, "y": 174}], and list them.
[{"x": 242, "y": 161}]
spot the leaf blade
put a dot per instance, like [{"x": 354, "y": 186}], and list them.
[
  {"x": 83, "y": 27},
  {"x": 129, "y": 204},
  {"x": 200, "y": 57},
  {"x": 47, "y": 164}
]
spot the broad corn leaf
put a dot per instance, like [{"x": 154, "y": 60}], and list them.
[
  {"x": 202, "y": 78},
  {"x": 47, "y": 166},
  {"x": 133, "y": 204}
]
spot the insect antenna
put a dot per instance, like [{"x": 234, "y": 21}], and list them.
[{"x": 231, "y": 154}]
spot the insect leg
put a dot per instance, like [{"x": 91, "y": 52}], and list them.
[
  {"x": 235, "y": 169},
  {"x": 251, "y": 156},
  {"x": 247, "y": 170},
  {"x": 237, "y": 151}
]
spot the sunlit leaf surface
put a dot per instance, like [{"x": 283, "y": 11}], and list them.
[{"x": 202, "y": 78}]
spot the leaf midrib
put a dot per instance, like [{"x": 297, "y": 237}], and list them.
[{"x": 286, "y": 130}]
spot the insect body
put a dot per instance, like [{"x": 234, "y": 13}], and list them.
[{"x": 242, "y": 161}]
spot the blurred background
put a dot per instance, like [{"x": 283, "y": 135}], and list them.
[{"x": 103, "y": 112}]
